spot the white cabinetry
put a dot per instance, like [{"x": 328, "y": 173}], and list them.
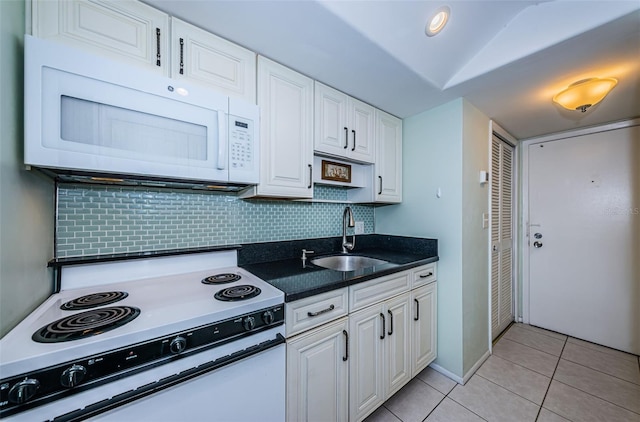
[
  {"x": 204, "y": 58},
  {"x": 285, "y": 98},
  {"x": 388, "y": 167},
  {"x": 318, "y": 374},
  {"x": 380, "y": 362},
  {"x": 344, "y": 126},
  {"x": 125, "y": 30},
  {"x": 424, "y": 329}
]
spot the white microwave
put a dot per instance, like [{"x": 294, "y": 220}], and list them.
[{"x": 89, "y": 115}]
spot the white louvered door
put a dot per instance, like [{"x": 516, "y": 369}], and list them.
[{"x": 502, "y": 155}]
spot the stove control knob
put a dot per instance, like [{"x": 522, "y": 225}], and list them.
[
  {"x": 73, "y": 376},
  {"x": 249, "y": 323},
  {"x": 24, "y": 390},
  {"x": 268, "y": 317},
  {"x": 178, "y": 345}
]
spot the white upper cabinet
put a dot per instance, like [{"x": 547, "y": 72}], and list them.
[
  {"x": 344, "y": 126},
  {"x": 388, "y": 167},
  {"x": 126, "y": 30},
  {"x": 285, "y": 98},
  {"x": 204, "y": 58}
]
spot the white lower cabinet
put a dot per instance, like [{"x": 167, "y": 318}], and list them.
[
  {"x": 345, "y": 369},
  {"x": 318, "y": 374},
  {"x": 424, "y": 328}
]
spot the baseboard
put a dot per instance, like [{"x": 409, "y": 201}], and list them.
[
  {"x": 475, "y": 367},
  {"x": 446, "y": 373}
]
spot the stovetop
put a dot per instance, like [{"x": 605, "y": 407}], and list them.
[{"x": 167, "y": 304}]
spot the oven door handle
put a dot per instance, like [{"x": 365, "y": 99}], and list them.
[{"x": 105, "y": 405}]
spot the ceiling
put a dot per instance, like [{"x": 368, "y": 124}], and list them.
[{"x": 508, "y": 58}]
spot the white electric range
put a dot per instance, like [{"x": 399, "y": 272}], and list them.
[{"x": 161, "y": 338}]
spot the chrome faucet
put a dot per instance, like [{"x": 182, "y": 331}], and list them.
[{"x": 348, "y": 215}]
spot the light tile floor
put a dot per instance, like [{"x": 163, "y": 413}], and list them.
[{"x": 533, "y": 375}]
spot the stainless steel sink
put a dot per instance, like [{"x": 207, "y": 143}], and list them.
[{"x": 347, "y": 262}]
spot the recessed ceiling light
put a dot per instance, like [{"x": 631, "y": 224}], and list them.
[{"x": 438, "y": 20}]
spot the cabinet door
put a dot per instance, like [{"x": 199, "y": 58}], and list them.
[
  {"x": 366, "y": 370},
  {"x": 207, "y": 59},
  {"x": 398, "y": 348},
  {"x": 361, "y": 131},
  {"x": 317, "y": 374},
  {"x": 388, "y": 167},
  {"x": 331, "y": 134},
  {"x": 424, "y": 339},
  {"x": 125, "y": 30},
  {"x": 285, "y": 98}
]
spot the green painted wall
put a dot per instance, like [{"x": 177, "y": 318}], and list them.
[{"x": 26, "y": 198}]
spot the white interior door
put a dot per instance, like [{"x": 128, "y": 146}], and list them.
[
  {"x": 584, "y": 272},
  {"x": 502, "y": 155}
]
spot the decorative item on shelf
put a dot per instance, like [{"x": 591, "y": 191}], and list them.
[
  {"x": 585, "y": 93},
  {"x": 338, "y": 172}
]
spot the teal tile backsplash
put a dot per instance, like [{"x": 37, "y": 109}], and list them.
[{"x": 95, "y": 220}]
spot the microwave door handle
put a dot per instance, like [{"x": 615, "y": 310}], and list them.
[{"x": 222, "y": 140}]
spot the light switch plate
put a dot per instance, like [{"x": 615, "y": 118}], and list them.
[{"x": 359, "y": 229}]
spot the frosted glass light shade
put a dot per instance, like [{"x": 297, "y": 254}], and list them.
[{"x": 585, "y": 93}]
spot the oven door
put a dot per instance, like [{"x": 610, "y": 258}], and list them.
[{"x": 243, "y": 380}]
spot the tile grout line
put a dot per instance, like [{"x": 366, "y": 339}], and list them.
[
  {"x": 513, "y": 392},
  {"x": 597, "y": 397},
  {"x": 597, "y": 370},
  {"x": 516, "y": 363},
  {"x": 535, "y": 348},
  {"x": 465, "y": 407},
  {"x": 523, "y": 326},
  {"x": 446, "y": 396},
  {"x": 551, "y": 381}
]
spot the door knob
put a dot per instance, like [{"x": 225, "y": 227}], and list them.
[
  {"x": 537, "y": 244},
  {"x": 538, "y": 235}
]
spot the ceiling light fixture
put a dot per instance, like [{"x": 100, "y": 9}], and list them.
[
  {"x": 585, "y": 93},
  {"x": 438, "y": 20}
]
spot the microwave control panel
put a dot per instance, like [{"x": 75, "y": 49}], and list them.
[{"x": 241, "y": 143}]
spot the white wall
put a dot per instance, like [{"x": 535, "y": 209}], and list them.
[
  {"x": 432, "y": 159},
  {"x": 26, "y": 199}
]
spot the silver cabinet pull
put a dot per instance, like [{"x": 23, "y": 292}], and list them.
[
  {"x": 346, "y": 345},
  {"x": 426, "y": 275},
  {"x": 157, "y": 46},
  {"x": 417, "y": 317},
  {"x": 310, "y": 176},
  {"x": 324, "y": 311},
  {"x": 384, "y": 330},
  {"x": 390, "y": 332}
]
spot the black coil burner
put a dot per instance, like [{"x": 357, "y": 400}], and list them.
[
  {"x": 221, "y": 278},
  {"x": 235, "y": 293},
  {"x": 86, "y": 324},
  {"x": 93, "y": 301}
]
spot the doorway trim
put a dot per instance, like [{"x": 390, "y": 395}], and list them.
[
  {"x": 523, "y": 252},
  {"x": 497, "y": 130}
]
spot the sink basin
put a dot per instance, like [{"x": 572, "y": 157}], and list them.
[{"x": 347, "y": 262}]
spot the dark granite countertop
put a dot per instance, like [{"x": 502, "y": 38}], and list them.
[{"x": 279, "y": 263}]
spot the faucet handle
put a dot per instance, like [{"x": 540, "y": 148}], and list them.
[{"x": 305, "y": 252}]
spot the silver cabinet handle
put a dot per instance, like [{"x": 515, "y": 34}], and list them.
[
  {"x": 310, "y": 176},
  {"x": 384, "y": 330},
  {"x": 426, "y": 275},
  {"x": 324, "y": 311}
]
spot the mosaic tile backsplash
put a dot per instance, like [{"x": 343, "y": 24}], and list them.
[{"x": 96, "y": 220}]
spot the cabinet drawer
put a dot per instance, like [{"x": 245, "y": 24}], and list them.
[
  {"x": 424, "y": 275},
  {"x": 315, "y": 310},
  {"x": 377, "y": 290}
]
